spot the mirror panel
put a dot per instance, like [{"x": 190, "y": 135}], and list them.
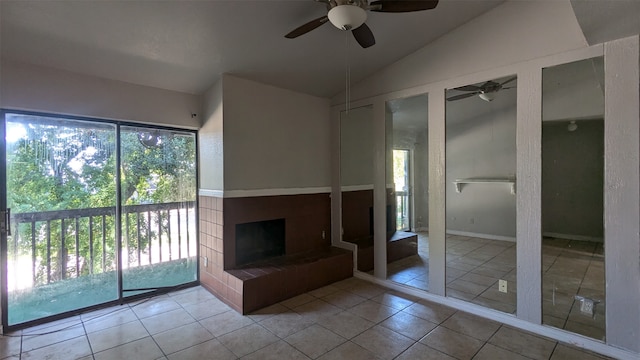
[
  {"x": 407, "y": 191},
  {"x": 356, "y": 180},
  {"x": 480, "y": 193},
  {"x": 573, "y": 282}
]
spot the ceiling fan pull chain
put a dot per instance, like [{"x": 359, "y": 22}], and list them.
[{"x": 347, "y": 90}]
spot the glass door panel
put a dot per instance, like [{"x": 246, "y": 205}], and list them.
[
  {"x": 60, "y": 189},
  {"x": 158, "y": 197},
  {"x": 402, "y": 186}
]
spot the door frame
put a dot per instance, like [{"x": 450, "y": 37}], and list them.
[{"x": 4, "y": 324}]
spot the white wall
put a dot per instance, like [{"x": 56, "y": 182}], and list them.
[
  {"x": 36, "y": 88},
  {"x": 274, "y": 138},
  {"x": 356, "y": 148},
  {"x": 481, "y": 143},
  {"x": 573, "y": 180},
  {"x": 573, "y": 91},
  {"x": 211, "y": 140},
  {"x": 513, "y": 32}
]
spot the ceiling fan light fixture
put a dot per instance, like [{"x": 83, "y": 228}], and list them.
[
  {"x": 487, "y": 96},
  {"x": 347, "y": 17}
]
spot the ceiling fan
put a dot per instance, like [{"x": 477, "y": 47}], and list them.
[
  {"x": 486, "y": 91},
  {"x": 351, "y": 14}
]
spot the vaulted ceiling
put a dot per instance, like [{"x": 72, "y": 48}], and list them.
[{"x": 187, "y": 45}]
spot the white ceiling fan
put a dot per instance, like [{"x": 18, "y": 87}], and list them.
[
  {"x": 350, "y": 15},
  {"x": 486, "y": 91}
]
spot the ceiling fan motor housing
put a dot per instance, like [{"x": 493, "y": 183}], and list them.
[{"x": 347, "y": 15}]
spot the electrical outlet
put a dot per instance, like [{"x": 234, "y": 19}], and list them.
[
  {"x": 587, "y": 306},
  {"x": 323, "y": 235},
  {"x": 502, "y": 286},
  {"x": 206, "y": 261}
]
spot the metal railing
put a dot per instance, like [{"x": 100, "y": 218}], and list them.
[
  {"x": 72, "y": 243},
  {"x": 402, "y": 210}
]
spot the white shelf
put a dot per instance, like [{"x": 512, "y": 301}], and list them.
[{"x": 459, "y": 183}]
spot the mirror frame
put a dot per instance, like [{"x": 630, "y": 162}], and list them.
[{"x": 622, "y": 195}]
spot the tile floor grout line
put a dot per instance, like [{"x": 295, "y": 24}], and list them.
[
  {"x": 21, "y": 344},
  {"x": 503, "y": 348},
  {"x": 554, "y": 349},
  {"x": 86, "y": 335},
  {"x": 145, "y": 328}
]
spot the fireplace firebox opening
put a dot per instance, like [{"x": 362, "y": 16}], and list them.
[{"x": 260, "y": 240}]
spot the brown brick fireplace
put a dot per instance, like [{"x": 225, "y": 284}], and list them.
[{"x": 307, "y": 261}]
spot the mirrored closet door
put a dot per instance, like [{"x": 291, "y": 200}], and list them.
[
  {"x": 407, "y": 179},
  {"x": 480, "y": 193},
  {"x": 573, "y": 283},
  {"x": 356, "y": 181}
]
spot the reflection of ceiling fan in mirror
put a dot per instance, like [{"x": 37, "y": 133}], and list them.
[
  {"x": 486, "y": 91},
  {"x": 351, "y": 15}
]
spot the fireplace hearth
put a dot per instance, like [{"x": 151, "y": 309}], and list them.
[{"x": 266, "y": 249}]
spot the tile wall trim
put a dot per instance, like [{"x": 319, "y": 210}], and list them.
[
  {"x": 211, "y": 193},
  {"x": 356, "y": 187},
  {"x": 264, "y": 192}
]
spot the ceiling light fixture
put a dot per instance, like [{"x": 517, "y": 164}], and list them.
[
  {"x": 347, "y": 17},
  {"x": 572, "y": 126},
  {"x": 487, "y": 96}
]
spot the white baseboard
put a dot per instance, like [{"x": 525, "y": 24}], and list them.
[
  {"x": 482, "y": 236},
  {"x": 573, "y": 237}
]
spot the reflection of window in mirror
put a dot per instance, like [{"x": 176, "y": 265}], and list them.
[
  {"x": 572, "y": 197},
  {"x": 407, "y": 180},
  {"x": 480, "y": 193},
  {"x": 356, "y": 179}
]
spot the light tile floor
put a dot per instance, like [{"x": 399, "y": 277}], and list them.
[
  {"x": 475, "y": 265},
  {"x": 351, "y": 319},
  {"x": 573, "y": 268}
]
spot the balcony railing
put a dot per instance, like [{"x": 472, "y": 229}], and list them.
[
  {"x": 55, "y": 245},
  {"x": 402, "y": 210}
]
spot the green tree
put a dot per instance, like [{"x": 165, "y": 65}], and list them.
[{"x": 61, "y": 165}]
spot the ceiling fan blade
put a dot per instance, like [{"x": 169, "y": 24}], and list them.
[
  {"x": 462, "y": 96},
  {"x": 508, "y": 81},
  {"x": 402, "y": 5},
  {"x": 307, "y": 27},
  {"x": 489, "y": 84},
  {"x": 468, "y": 88},
  {"x": 364, "y": 36}
]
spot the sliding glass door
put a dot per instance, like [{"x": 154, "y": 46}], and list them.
[
  {"x": 91, "y": 210},
  {"x": 158, "y": 194},
  {"x": 60, "y": 189}
]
